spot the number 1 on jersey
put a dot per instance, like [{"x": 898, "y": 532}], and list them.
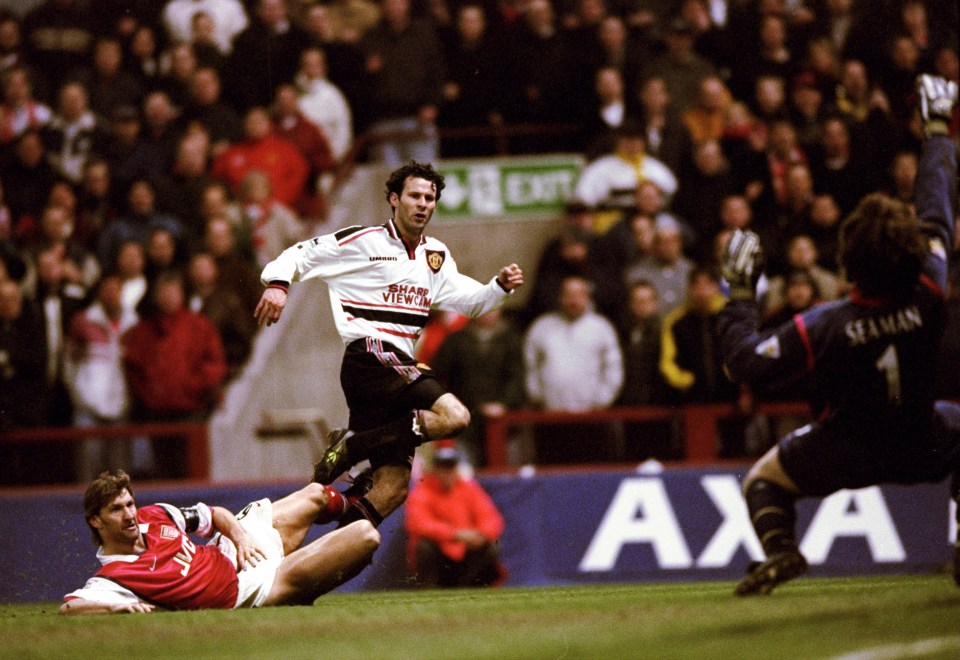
[{"x": 889, "y": 365}]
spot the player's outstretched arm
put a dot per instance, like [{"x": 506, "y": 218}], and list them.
[
  {"x": 510, "y": 277},
  {"x": 936, "y": 182},
  {"x": 81, "y": 606}
]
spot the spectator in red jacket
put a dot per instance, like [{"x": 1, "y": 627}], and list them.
[
  {"x": 174, "y": 363},
  {"x": 263, "y": 149},
  {"x": 453, "y": 528}
]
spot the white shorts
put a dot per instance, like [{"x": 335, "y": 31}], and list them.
[{"x": 255, "y": 583}]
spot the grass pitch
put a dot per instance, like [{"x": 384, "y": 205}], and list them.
[{"x": 862, "y": 618}]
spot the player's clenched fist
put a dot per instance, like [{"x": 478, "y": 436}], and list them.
[
  {"x": 270, "y": 306},
  {"x": 510, "y": 277}
]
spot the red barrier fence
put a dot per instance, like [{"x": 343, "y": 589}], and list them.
[
  {"x": 699, "y": 423},
  {"x": 195, "y": 433}
]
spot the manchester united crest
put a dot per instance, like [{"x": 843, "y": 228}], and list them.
[{"x": 435, "y": 259}]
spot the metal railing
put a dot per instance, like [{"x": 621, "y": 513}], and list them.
[
  {"x": 699, "y": 424},
  {"x": 195, "y": 434}
]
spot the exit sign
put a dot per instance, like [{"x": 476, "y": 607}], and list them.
[{"x": 518, "y": 186}]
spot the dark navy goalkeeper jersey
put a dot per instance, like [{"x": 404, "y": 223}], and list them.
[{"x": 870, "y": 363}]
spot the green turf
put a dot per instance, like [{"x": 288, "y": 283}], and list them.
[{"x": 809, "y": 618}]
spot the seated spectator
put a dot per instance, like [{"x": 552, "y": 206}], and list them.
[
  {"x": 806, "y": 110},
  {"x": 237, "y": 271},
  {"x": 453, "y": 528},
  {"x": 229, "y": 19},
  {"x": 902, "y": 175},
  {"x": 161, "y": 129},
  {"x": 27, "y": 179},
  {"x": 642, "y": 384},
  {"x": 20, "y": 111},
  {"x": 607, "y": 114},
  {"x": 139, "y": 221},
  {"x": 482, "y": 365},
  {"x": 174, "y": 363},
  {"x": 775, "y": 59},
  {"x": 223, "y": 307},
  {"x": 130, "y": 265},
  {"x": 706, "y": 118},
  {"x": 323, "y": 103},
  {"x": 178, "y": 64},
  {"x": 702, "y": 194},
  {"x": 573, "y": 363},
  {"x": 690, "y": 360},
  {"x": 254, "y": 77},
  {"x": 668, "y": 270},
  {"x": 769, "y": 98},
  {"x": 203, "y": 36},
  {"x": 612, "y": 180},
  {"x": 292, "y": 125},
  {"x": 668, "y": 139},
  {"x": 799, "y": 294},
  {"x": 128, "y": 156},
  {"x": 12, "y": 47},
  {"x": 262, "y": 149},
  {"x": 57, "y": 300},
  {"x": 93, "y": 373},
  {"x": 80, "y": 266},
  {"x": 179, "y": 192},
  {"x": 74, "y": 133},
  {"x": 106, "y": 81},
  {"x": 164, "y": 250},
  {"x": 95, "y": 206},
  {"x": 23, "y": 368},
  {"x": 539, "y": 87},
  {"x": 207, "y": 107},
  {"x": 842, "y": 167},
  {"x": 472, "y": 86},
  {"x": 735, "y": 212},
  {"x": 824, "y": 229},
  {"x": 898, "y": 77},
  {"x": 402, "y": 85},
  {"x": 628, "y": 241},
  {"x": 569, "y": 253},
  {"x": 143, "y": 56},
  {"x": 269, "y": 223},
  {"x": 681, "y": 68},
  {"x": 802, "y": 255}
]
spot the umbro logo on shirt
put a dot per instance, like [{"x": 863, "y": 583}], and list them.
[{"x": 383, "y": 259}]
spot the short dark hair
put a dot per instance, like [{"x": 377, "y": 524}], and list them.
[
  {"x": 881, "y": 247},
  {"x": 414, "y": 169},
  {"x": 101, "y": 492}
]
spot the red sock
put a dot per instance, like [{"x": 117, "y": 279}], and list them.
[{"x": 336, "y": 506}]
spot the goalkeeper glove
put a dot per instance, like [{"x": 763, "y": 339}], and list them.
[
  {"x": 936, "y": 98},
  {"x": 743, "y": 264}
]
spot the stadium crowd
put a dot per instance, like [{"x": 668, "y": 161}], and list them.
[{"x": 154, "y": 155}]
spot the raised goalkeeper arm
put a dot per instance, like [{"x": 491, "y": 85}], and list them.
[{"x": 936, "y": 182}]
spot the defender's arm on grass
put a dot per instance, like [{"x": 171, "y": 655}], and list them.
[{"x": 78, "y": 606}]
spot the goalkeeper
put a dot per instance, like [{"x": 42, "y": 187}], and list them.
[{"x": 868, "y": 357}]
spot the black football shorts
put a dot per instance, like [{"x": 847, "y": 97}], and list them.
[{"x": 382, "y": 383}]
